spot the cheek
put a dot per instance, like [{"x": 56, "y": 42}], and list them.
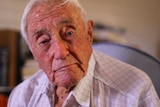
[
  {"x": 45, "y": 63},
  {"x": 44, "y": 60},
  {"x": 83, "y": 49},
  {"x": 82, "y": 52},
  {"x": 40, "y": 56}
]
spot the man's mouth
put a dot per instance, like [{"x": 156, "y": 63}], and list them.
[{"x": 65, "y": 67}]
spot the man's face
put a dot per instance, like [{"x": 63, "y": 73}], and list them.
[{"x": 60, "y": 42}]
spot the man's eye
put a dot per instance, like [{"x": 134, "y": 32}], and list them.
[
  {"x": 43, "y": 42},
  {"x": 69, "y": 33}
]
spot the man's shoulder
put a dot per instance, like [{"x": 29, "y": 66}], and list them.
[
  {"x": 34, "y": 85},
  {"x": 118, "y": 74},
  {"x": 112, "y": 66}
]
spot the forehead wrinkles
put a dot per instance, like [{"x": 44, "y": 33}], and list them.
[
  {"x": 45, "y": 9},
  {"x": 49, "y": 12},
  {"x": 40, "y": 12}
]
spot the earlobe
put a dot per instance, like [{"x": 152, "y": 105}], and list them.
[{"x": 90, "y": 29}]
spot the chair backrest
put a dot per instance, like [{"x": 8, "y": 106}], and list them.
[{"x": 135, "y": 57}]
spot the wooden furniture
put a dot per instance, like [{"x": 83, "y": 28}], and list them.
[{"x": 9, "y": 40}]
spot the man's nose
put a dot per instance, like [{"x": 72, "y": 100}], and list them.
[{"x": 61, "y": 50}]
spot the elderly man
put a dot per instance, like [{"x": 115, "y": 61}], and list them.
[{"x": 72, "y": 74}]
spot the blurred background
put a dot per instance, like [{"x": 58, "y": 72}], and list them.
[
  {"x": 139, "y": 18},
  {"x": 131, "y": 22}
]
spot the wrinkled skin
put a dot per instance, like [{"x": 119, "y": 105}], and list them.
[{"x": 60, "y": 42}]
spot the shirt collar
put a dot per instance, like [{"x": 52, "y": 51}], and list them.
[{"x": 83, "y": 89}]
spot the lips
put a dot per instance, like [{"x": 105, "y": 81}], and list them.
[{"x": 64, "y": 67}]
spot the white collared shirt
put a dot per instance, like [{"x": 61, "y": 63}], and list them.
[{"x": 108, "y": 83}]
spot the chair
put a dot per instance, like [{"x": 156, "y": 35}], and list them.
[{"x": 135, "y": 57}]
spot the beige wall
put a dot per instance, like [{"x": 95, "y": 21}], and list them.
[
  {"x": 10, "y": 13},
  {"x": 140, "y": 18}
]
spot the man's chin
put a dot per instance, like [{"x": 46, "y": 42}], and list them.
[{"x": 66, "y": 84}]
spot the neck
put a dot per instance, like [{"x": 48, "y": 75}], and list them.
[{"x": 61, "y": 95}]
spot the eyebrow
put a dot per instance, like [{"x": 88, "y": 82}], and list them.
[
  {"x": 66, "y": 21},
  {"x": 37, "y": 33}
]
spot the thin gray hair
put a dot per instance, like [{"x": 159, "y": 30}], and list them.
[{"x": 32, "y": 3}]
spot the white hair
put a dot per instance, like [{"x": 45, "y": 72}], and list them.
[{"x": 32, "y": 3}]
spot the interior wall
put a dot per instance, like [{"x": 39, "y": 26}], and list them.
[{"x": 140, "y": 18}]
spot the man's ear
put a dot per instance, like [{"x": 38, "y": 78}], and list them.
[{"x": 90, "y": 30}]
